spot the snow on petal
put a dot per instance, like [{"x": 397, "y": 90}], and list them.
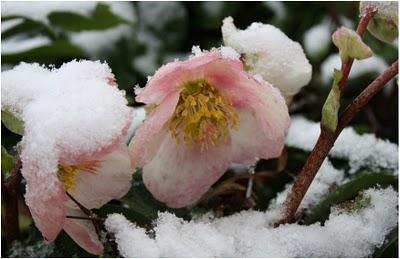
[
  {"x": 196, "y": 119},
  {"x": 83, "y": 232},
  {"x": 251, "y": 233},
  {"x": 270, "y": 53},
  {"x": 111, "y": 180}
]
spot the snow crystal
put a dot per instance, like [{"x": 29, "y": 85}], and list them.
[
  {"x": 19, "y": 44},
  {"x": 228, "y": 52},
  {"x": 373, "y": 64},
  {"x": 361, "y": 150},
  {"x": 270, "y": 53},
  {"x": 317, "y": 39},
  {"x": 250, "y": 233},
  {"x": 67, "y": 112},
  {"x": 327, "y": 177}
]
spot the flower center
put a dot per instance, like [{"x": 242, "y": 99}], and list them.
[
  {"x": 67, "y": 173},
  {"x": 202, "y": 116}
]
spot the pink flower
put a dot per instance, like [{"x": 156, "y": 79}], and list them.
[
  {"x": 74, "y": 127},
  {"x": 207, "y": 113}
]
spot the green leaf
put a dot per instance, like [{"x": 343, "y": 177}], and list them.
[
  {"x": 390, "y": 246},
  {"x": 330, "y": 110},
  {"x": 101, "y": 19},
  {"x": 350, "y": 45},
  {"x": 27, "y": 26},
  {"x": 382, "y": 29},
  {"x": 7, "y": 161},
  {"x": 45, "y": 54},
  {"x": 12, "y": 123},
  {"x": 348, "y": 191}
]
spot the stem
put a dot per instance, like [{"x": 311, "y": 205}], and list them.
[
  {"x": 11, "y": 193},
  {"x": 362, "y": 26},
  {"x": 327, "y": 139}
]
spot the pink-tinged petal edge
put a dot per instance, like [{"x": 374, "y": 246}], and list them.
[
  {"x": 112, "y": 180},
  {"x": 179, "y": 175},
  {"x": 170, "y": 76},
  {"x": 145, "y": 143},
  {"x": 83, "y": 232},
  {"x": 45, "y": 197}
]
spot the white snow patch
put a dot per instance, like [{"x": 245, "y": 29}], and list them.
[
  {"x": 229, "y": 53},
  {"x": 317, "y": 39},
  {"x": 138, "y": 116},
  {"x": 250, "y": 233},
  {"x": 361, "y": 150},
  {"x": 373, "y": 64},
  {"x": 68, "y": 113},
  {"x": 278, "y": 8},
  {"x": 271, "y": 54},
  {"x": 213, "y": 8},
  {"x": 19, "y": 44}
]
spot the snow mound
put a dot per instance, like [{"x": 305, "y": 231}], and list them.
[
  {"x": 250, "y": 233},
  {"x": 361, "y": 150}
]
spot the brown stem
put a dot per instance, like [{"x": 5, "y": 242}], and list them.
[
  {"x": 362, "y": 26},
  {"x": 11, "y": 193},
  {"x": 327, "y": 139}
]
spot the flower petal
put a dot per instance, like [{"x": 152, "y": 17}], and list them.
[
  {"x": 83, "y": 232},
  {"x": 170, "y": 76},
  {"x": 45, "y": 197},
  {"x": 147, "y": 137},
  {"x": 179, "y": 175},
  {"x": 111, "y": 180}
]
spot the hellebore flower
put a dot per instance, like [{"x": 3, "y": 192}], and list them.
[
  {"x": 75, "y": 121},
  {"x": 267, "y": 51},
  {"x": 206, "y": 113}
]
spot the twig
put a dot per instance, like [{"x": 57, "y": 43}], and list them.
[
  {"x": 11, "y": 193},
  {"x": 327, "y": 139}
]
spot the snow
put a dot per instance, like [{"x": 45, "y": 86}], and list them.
[
  {"x": 250, "y": 233},
  {"x": 39, "y": 249},
  {"x": 278, "y": 8},
  {"x": 94, "y": 43},
  {"x": 373, "y": 64},
  {"x": 164, "y": 12},
  {"x": 67, "y": 112},
  {"x": 19, "y": 44},
  {"x": 138, "y": 116},
  {"x": 327, "y": 177},
  {"x": 271, "y": 54},
  {"x": 361, "y": 150},
  {"x": 229, "y": 53},
  {"x": 214, "y": 8},
  {"x": 317, "y": 39}
]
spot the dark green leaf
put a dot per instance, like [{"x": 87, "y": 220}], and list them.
[
  {"x": 7, "y": 161},
  {"x": 390, "y": 246},
  {"x": 348, "y": 191},
  {"x": 101, "y": 19},
  {"x": 27, "y": 26},
  {"x": 45, "y": 54},
  {"x": 12, "y": 123}
]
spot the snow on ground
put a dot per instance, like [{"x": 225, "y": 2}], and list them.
[
  {"x": 92, "y": 42},
  {"x": 317, "y": 39},
  {"x": 361, "y": 150},
  {"x": 17, "y": 44},
  {"x": 373, "y": 64},
  {"x": 250, "y": 233}
]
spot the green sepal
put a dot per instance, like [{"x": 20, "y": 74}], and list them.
[
  {"x": 12, "y": 122},
  {"x": 330, "y": 110},
  {"x": 7, "y": 161},
  {"x": 350, "y": 45}
]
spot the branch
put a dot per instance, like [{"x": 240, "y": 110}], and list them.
[{"x": 327, "y": 139}]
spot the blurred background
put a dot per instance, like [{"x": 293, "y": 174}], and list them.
[{"x": 136, "y": 38}]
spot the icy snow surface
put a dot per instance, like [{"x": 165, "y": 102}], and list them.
[
  {"x": 68, "y": 112},
  {"x": 361, "y": 150},
  {"x": 250, "y": 234}
]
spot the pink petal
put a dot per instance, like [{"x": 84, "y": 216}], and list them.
[
  {"x": 45, "y": 197},
  {"x": 168, "y": 78},
  {"x": 145, "y": 143},
  {"x": 111, "y": 180},
  {"x": 83, "y": 232},
  {"x": 179, "y": 175}
]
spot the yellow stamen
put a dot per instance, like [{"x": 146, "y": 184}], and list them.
[
  {"x": 67, "y": 173},
  {"x": 202, "y": 116}
]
